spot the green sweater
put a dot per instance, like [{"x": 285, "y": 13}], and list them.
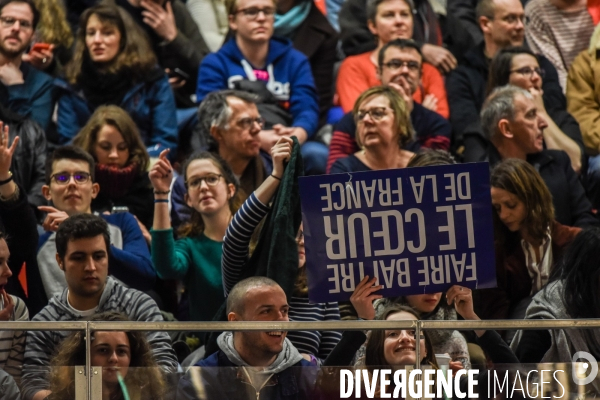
[{"x": 196, "y": 261}]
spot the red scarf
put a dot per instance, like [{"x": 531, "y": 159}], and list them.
[{"x": 115, "y": 182}]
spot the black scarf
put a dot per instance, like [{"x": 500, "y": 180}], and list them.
[{"x": 100, "y": 88}]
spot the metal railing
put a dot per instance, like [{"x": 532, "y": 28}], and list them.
[{"x": 91, "y": 388}]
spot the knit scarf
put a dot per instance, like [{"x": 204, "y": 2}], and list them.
[
  {"x": 115, "y": 182},
  {"x": 286, "y": 24},
  {"x": 103, "y": 88}
]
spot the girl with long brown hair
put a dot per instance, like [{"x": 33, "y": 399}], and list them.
[
  {"x": 529, "y": 241},
  {"x": 212, "y": 195},
  {"x": 128, "y": 369},
  {"x": 112, "y": 138},
  {"x": 113, "y": 63}
]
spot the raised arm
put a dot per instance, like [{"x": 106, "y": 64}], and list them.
[
  {"x": 169, "y": 263},
  {"x": 239, "y": 232}
]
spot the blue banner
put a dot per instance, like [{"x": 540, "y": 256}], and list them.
[{"x": 418, "y": 230}]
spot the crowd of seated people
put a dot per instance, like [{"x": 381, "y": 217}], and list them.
[{"x": 150, "y": 152}]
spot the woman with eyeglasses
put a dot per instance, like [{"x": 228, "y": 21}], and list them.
[
  {"x": 389, "y": 20},
  {"x": 520, "y": 67},
  {"x": 383, "y": 130},
  {"x": 113, "y": 64},
  {"x": 112, "y": 138},
  {"x": 314, "y": 345},
  {"x": 195, "y": 258}
]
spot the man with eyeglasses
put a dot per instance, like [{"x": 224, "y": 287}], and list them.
[
  {"x": 229, "y": 125},
  {"x": 255, "y": 61},
  {"x": 502, "y": 24},
  {"x": 70, "y": 187},
  {"x": 400, "y": 68},
  {"x": 24, "y": 89}
]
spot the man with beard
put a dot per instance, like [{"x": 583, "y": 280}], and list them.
[
  {"x": 24, "y": 89},
  {"x": 399, "y": 66},
  {"x": 258, "y": 363}
]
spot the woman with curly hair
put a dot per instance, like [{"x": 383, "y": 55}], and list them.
[
  {"x": 128, "y": 369},
  {"x": 528, "y": 239},
  {"x": 122, "y": 162},
  {"x": 113, "y": 63}
]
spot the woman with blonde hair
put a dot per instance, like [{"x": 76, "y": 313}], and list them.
[
  {"x": 122, "y": 162},
  {"x": 53, "y": 30},
  {"x": 113, "y": 64},
  {"x": 383, "y": 129},
  {"x": 128, "y": 369},
  {"x": 529, "y": 240}
]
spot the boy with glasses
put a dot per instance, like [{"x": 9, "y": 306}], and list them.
[
  {"x": 71, "y": 188},
  {"x": 26, "y": 91},
  {"x": 270, "y": 63}
]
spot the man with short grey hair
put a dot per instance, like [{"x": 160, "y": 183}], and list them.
[
  {"x": 515, "y": 130},
  {"x": 230, "y": 126}
]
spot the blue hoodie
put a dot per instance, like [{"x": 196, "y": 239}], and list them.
[{"x": 290, "y": 78}]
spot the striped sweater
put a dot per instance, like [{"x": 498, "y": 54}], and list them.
[
  {"x": 41, "y": 345},
  {"x": 235, "y": 255},
  {"x": 12, "y": 343}
]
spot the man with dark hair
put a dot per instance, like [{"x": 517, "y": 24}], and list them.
[
  {"x": 514, "y": 129},
  {"x": 502, "y": 23},
  {"x": 71, "y": 188},
  {"x": 399, "y": 66},
  {"x": 24, "y": 89},
  {"x": 264, "y": 358},
  {"x": 83, "y": 255}
]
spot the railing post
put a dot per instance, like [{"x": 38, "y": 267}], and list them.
[
  {"x": 88, "y": 360},
  {"x": 96, "y": 390},
  {"x": 80, "y": 383}
]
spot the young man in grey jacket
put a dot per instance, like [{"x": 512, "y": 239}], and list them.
[{"x": 83, "y": 246}]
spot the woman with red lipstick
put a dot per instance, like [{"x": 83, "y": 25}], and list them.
[
  {"x": 528, "y": 239},
  {"x": 195, "y": 258},
  {"x": 112, "y": 138},
  {"x": 125, "y": 358}
]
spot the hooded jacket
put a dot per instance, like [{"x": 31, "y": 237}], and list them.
[
  {"x": 41, "y": 345},
  {"x": 289, "y": 376},
  {"x": 290, "y": 78},
  {"x": 466, "y": 87}
]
